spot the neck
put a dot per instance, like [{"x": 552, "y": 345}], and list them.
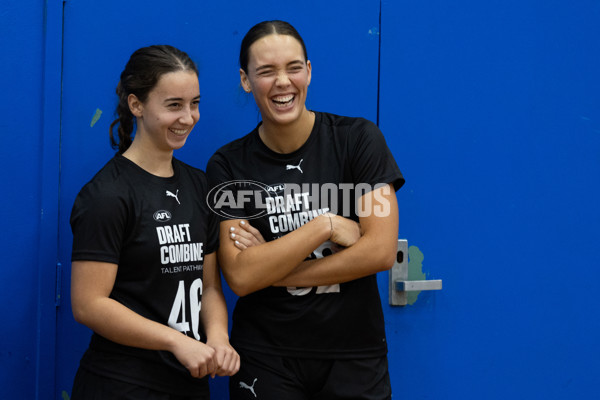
[
  {"x": 290, "y": 137},
  {"x": 150, "y": 159}
]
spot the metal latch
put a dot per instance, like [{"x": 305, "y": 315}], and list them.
[{"x": 399, "y": 283}]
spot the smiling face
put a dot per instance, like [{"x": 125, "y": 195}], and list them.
[
  {"x": 278, "y": 76},
  {"x": 170, "y": 112}
]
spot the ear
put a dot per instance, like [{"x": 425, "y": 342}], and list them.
[
  {"x": 135, "y": 105},
  {"x": 309, "y": 69},
  {"x": 244, "y": 81}
]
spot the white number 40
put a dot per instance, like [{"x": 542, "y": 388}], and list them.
[{"x": 177, "y": 318}]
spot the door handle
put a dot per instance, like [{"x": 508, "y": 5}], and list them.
[
  {"x": 398, "y": 278},
  {"x": 415, "y": 286}
]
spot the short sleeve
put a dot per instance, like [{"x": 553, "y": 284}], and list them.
[
  {"x": 217, "y": 170},
  {"x": 372, "y": 160},
  {"x": 221, "y": 195},
  {"x": 98, "y": 222},
  {"x": 212, "y": 222}
]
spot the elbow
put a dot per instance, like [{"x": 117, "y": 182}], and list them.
[
  {"x": 239, "y": 284},
  {"x": 380, "y": 250},
  {"x": 240, "y": 290},
  {"x": 387, "y": 257},
  {"x": 388, "y": 261},
  {"x": 242, "y": 281},
  {"x": 82, "y": 311},
  {"x": 79, "y": 314}
]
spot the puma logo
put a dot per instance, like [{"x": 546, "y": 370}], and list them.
[
  {"x": 250, "y": 388},
  {"x": 170, "y": 194},
  {"x": 288, "y": 167}
]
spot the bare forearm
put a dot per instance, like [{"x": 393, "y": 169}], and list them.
[
  {"x": 368, "y": 256},
  {"x": 119, "y": 324},
  {"x": 375, "y": 251},
  {"x": 214, "y": 314},
  {"x": 260, "y": 266},
  {"x": 214, "y": 318}
]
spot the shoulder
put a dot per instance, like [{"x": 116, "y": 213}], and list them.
[
  {"x": 106, "y": 196},
  {"x": 236, "y": 146},
  {"x": 110, "y": 181},
  {"x": 227, "y": 157},
  {"x": 188, "y": 169},
  {"x": 344, "y": 125},
  {"x": 188, "y": 172},
  {"x": 349, "y": 124}
]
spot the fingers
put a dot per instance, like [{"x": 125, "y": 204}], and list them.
[
  {"x": 346, "y": 232},
  {"x": 205, "y": 365},
  {"x": 245, "y": 236},
  {"x": 230, "y": 364},
  {"x": 201, "y": 369},
  {"x": 240, "y": 240},
  {"x": 212, "y": 366},
  {"x": 252, "y": 230},
  {"x": 227, "y": 360},
  {"x": 239, "y": 245},
  {"x": 198, "y": 358}
]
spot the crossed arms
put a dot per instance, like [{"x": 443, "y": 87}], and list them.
[{"x": 369, "y": 248}]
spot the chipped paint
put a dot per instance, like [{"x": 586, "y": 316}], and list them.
[
  {"x": 374, "y": 31},
  {"x": 415, "y": 271},
  {"x": 96, "y": 117}
]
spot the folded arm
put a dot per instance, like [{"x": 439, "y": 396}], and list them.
[
  {"x": 261, "y": 264},
  {"x": 375, "y": 251}
]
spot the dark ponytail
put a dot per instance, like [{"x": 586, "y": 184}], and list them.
[
  {"x": 141, "y": 74},
  {"x": 124, "y": 123}
]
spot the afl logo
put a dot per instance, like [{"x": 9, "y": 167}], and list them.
[
  {"x": 162, "y": 216},
  {"x": 244, "y": 196}
]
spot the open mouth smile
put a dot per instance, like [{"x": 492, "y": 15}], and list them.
[
  {"x": 283, "y": 101},
  {"x": 179, "y": 132}
]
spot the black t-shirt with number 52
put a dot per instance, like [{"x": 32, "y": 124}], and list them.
[{"x": 342, "y": 158}]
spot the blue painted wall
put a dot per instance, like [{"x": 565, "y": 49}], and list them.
[
  {"x": 492, "y": 110},
  {"x": 28, "y": 204}
]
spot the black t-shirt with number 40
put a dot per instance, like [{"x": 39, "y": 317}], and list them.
[
  {"x": 158, "y": 231},
  {"x": 342, "y": 158}
]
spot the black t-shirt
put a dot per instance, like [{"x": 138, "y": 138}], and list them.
[
  {"x": 158, "y": 231},
  {"x": 342, "y": 159}
]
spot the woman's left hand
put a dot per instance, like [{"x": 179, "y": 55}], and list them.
[
  {"x": 245, "y": 236},
  {"x": 226, "y": 358}
]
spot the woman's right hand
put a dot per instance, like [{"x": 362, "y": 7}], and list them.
[
  {"x": 198, "y": 358},
  {"x": 344, "y": 231},
  {"x": 245, "y": 236}
]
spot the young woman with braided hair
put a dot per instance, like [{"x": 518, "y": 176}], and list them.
[{"x": 144, "y": 271}]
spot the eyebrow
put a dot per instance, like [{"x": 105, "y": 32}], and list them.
[
  {"x": 267, "y": 66},
  {"x": 179, "y": 99}
]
